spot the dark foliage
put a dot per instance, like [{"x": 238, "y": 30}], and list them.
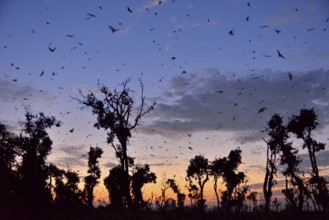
[
  {"x": 114, "y": 183},
  {"x": 232, "y": 181},
  {"x": 94, "y": 174},
  {"x": 277, "y": 133},
  {"x": 302, "y": 126},
  {"x": 216, "y": 169},
  {"x": 35, "y": 145},
  {"x": 8, "y": 152},
  {"x": 141, "y": 176},
  {"x": 198, "y": 170},
  {"x": 315, "y": 188}
]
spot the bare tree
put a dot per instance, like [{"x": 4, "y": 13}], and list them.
[{"x": 114, "y": 111}]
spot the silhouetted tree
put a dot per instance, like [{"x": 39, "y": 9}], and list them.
[
  {"x": 68, "y": 195},
  {"x": 240, "y": 195},
  {"x": 302, "y": 126},
  {"x": 8, "y": 176},
  {"x": 114, "y": 183},
  {"x": 8, "y": 148},
  {"x": 253, "y": 198},
  {"x": 54, "y": 173},
  {"x": 198, "y": 169},
  {"x": 193, "y": 191},
  {"x": 276, "y": 204},
  {"x": 180, "y": 196},
  {"x": 216, "y": 170},
  {"x": 289, "y": 157},
  {"x": 114, "y": 112},
  {"x": 35, "y": 145},
  {"x": 94, "y": 173},
  {"x": 231, "y": 178},
  {"x": 181, "y": 200},
  {"x": 73, "y": 193},
  {"x": 276, "y": 131},
  {"x": 160, "y": 201},
  {"x": 59, "y": 188},
  {"x": 141, "y": 176}
]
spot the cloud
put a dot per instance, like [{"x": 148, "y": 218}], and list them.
[
  {"x": 162, "y": 164},
  {"x": 322, "y": 160},
  {"x": 191, "y": 25},
  {"x": 258, "y": 168},
  {"x": 210, "y": 101},
  {"x": 259, "y": 151},
  {"x": 74, "y": 157},
  {"x": 11, "y": 92},
  {"x": 69, "y": 162},
  {"x": 110, "y": 165},
  {"x": 302, "y": 15},
  {"x": 10, "y": 126},
  {"x": 149, "y": 4},
  {"x": 259, "y": 186},
  {"x": 78, "y": 151}
]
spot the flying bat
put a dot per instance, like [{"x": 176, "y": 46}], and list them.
[
  {"x": 52, "y": 49},
  {"x": 277, "y": 31},
  {"x": 91, "y": 15},
  {"x": 280, "y": 54},
  {"x": 261, "y": 110},
  {"x": 113, "y": 29}
]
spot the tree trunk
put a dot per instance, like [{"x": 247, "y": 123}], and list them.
[
  {"x": 216, "y": 193},
  {"x": 266, "y": 192},
  {"x": 266, "y": 183},
  {"x": 301, "y": 190},
  {"x": 126, "y": 170}
]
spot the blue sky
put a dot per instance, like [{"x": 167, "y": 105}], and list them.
[{"x": 208, "y": 84}]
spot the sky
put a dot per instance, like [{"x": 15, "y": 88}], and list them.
[{"x": 210, "y": 66}]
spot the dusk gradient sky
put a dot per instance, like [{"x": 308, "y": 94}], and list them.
[{"x": 209, "y": 65}]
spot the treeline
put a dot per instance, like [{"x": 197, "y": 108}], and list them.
[{"x": 34, "y": 188}]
